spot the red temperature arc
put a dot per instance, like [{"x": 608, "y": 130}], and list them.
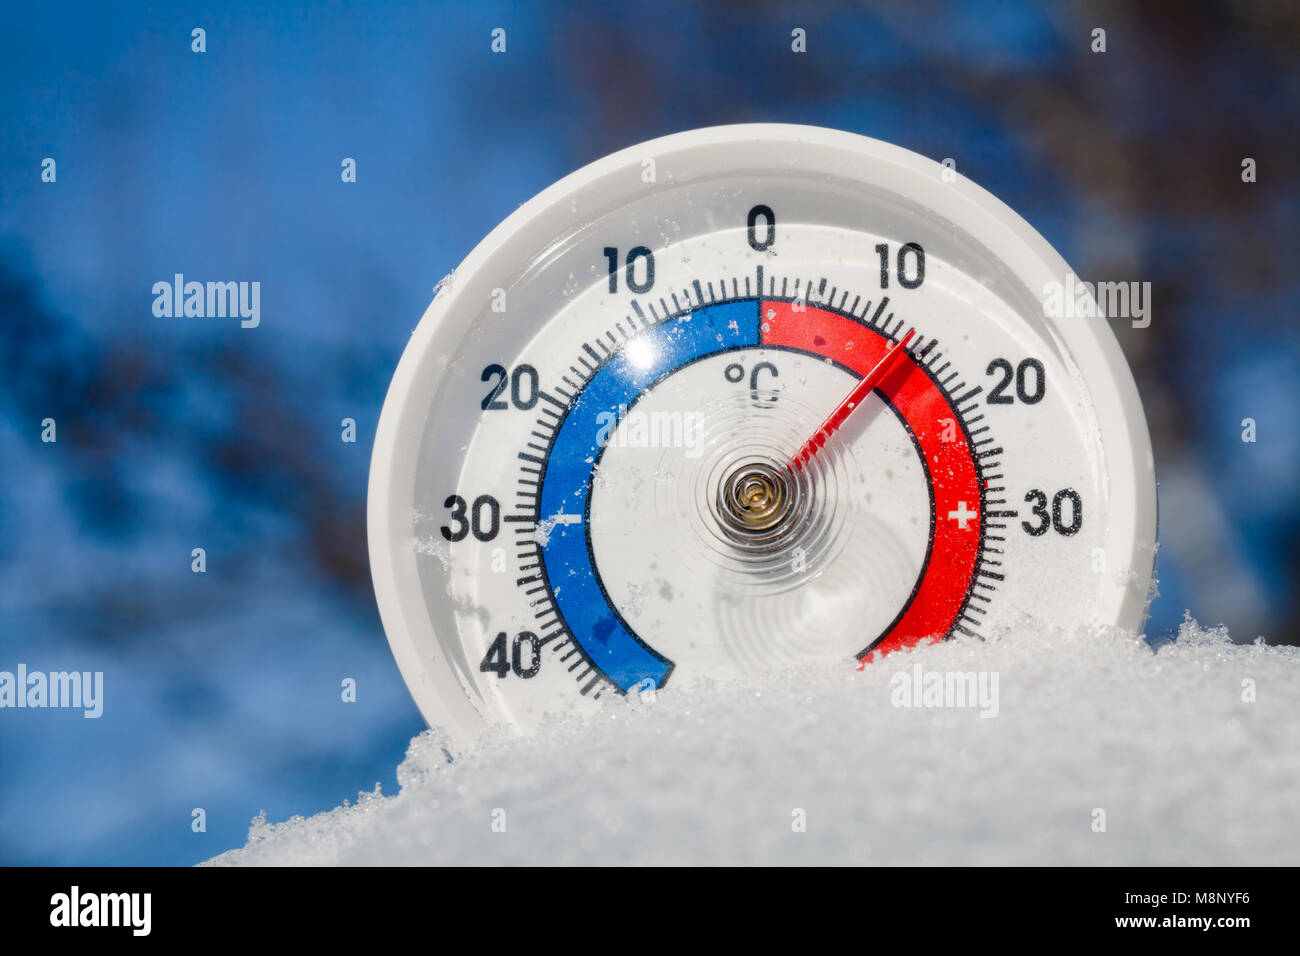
[{"x": 954, "y": 572}]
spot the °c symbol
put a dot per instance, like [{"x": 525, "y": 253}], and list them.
[{"x": 754, "y": 396}]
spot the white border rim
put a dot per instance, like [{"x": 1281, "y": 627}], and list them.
[{"x": 1124, "y": 436}]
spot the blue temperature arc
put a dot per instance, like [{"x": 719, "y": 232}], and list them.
[{"x": 575, "y": 585}]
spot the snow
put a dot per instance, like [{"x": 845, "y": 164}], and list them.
[{"x": 1190, "y": 751}]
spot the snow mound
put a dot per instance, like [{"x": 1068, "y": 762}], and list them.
[{"x": 1185, "y": 755}]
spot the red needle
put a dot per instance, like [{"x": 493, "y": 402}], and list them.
[{"x": 845, "y": 409}]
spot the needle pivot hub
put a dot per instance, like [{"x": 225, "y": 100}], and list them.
[{"x": 756, "y": 503}]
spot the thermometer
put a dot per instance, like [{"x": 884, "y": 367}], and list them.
[{"x": 739, "y": 399}]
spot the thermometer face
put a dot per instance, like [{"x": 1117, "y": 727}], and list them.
[{"x": 739, "y": 399}]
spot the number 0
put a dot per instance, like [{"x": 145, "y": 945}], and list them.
[{"x": 769, "y": 233}]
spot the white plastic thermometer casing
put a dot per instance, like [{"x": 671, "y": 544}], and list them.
[{"x": 582, "y": 483}]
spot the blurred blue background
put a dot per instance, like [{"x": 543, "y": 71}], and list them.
[{"x": 223, "y": 688}]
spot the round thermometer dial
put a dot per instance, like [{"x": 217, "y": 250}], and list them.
[{"x": 737, "y": 399}]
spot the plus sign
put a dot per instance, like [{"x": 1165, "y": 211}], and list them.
[{"x": 962, "y": 515}]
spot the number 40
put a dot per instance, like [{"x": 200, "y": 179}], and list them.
[{"x": 525, "y": 657}]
